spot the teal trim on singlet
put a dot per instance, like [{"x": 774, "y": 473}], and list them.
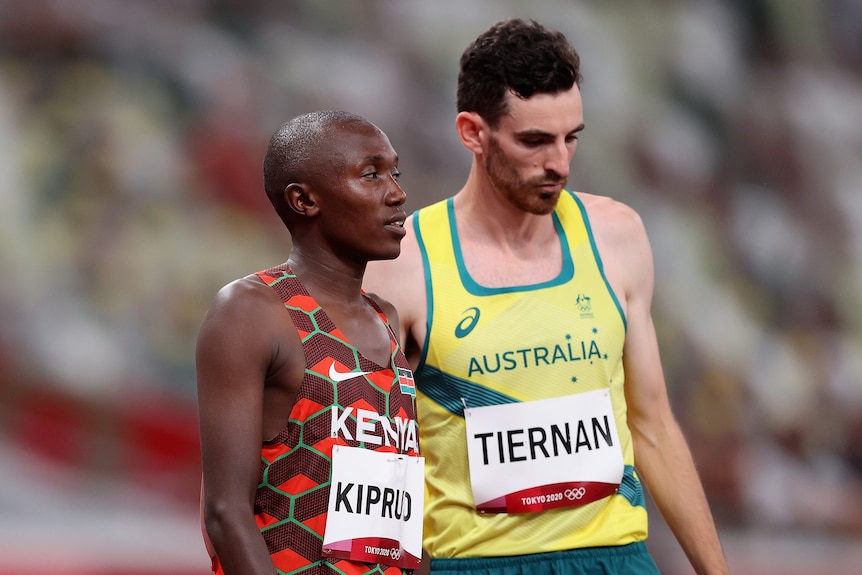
[
  {"x": 565, "y": 275},
  {"x": 471, "y": 286},
  {"x": 598, "y": 258},
  {"x": 446, "y": 382},
  {"x": 631, "y": 489},
  {"x": 454, "y": 389},
  {"x": 429, "y": 291},
  {"x": 450, "y": 395}
]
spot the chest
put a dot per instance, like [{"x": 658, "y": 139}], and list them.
[{"x": 491, "y": 267}]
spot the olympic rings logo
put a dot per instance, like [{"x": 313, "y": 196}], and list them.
[
  {"x": 572, "y": 494},
  {"x": 395, "y": 553}
]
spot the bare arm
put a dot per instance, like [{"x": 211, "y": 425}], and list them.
[
  {"x": 235, "y": 351},
  {"x": 662, "y": 456}
]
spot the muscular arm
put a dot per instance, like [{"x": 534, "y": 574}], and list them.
[
  {"x": 235, "y": 351},
  {"x": 662, "y": 456}
]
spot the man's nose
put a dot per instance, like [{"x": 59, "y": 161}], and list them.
[
  {"x": 559, "y": 159},
  {"x": 397, "y": 195}
]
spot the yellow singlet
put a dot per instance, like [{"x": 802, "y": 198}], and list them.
[{"x": 489, "y": 346}]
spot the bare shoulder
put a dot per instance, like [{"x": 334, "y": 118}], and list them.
[
  {"x": 246, "y": 338},
  {"x": 613, "y": 219},
  {"x": 241, "y": 311},
  {"x": 387, "y": 306},
  {"x": 623, "y": 246},
  {"x": 241, "y": 296}
]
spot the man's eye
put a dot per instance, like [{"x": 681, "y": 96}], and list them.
[
  {"x": 372, "y": 175},
  {"x": 396, "y": 174}
]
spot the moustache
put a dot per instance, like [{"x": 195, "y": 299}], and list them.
[{"x": 550, "y": 179}]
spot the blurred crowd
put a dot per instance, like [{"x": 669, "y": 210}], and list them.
[{"x": 131, "y": 139}]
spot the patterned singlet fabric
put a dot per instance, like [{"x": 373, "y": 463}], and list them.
[
  {"x": 293, "y": 495},
  {"x": 490, "y": 346}
]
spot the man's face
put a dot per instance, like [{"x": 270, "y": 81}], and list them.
[
  {"x": 363, "y": 217},
  {"x": 527, "y": 157}
]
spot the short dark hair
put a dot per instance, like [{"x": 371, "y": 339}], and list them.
[
  {"x": 514, "y": 55},
  {"x": 298, "y": 152}
]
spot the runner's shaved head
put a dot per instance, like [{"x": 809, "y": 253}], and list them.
[{"x": 304, "y": 151}]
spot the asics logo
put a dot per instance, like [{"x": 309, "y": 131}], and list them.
[
  {"x": 466, "y": 325},
  {"x": 338, "y": 376}
]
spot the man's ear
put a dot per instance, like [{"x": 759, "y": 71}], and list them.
[
  {"x": 472, "y": 130},
  {"x": 300, "y": 199}
]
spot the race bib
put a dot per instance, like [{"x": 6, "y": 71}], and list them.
[
  {"x": 375, "y": 510},
  {"x": 539, "y": 455}
]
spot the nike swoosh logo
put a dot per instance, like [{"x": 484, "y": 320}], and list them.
[{"x": 338, "y": 376}]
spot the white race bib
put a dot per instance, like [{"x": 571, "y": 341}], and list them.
[
  {"x": 538, "y": 455},
  {"x": 375, "y": 510}
]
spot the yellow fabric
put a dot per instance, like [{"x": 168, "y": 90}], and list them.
[{"x": 519, "y": 343}]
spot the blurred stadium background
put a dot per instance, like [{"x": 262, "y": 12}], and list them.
[{"x": 131, "y": 139}]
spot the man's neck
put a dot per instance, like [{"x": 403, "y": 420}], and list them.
[
  {"x": 484, "y": 216},
  {"x": 503, "y": 246},
  {"x": 327, "y": 282}
]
